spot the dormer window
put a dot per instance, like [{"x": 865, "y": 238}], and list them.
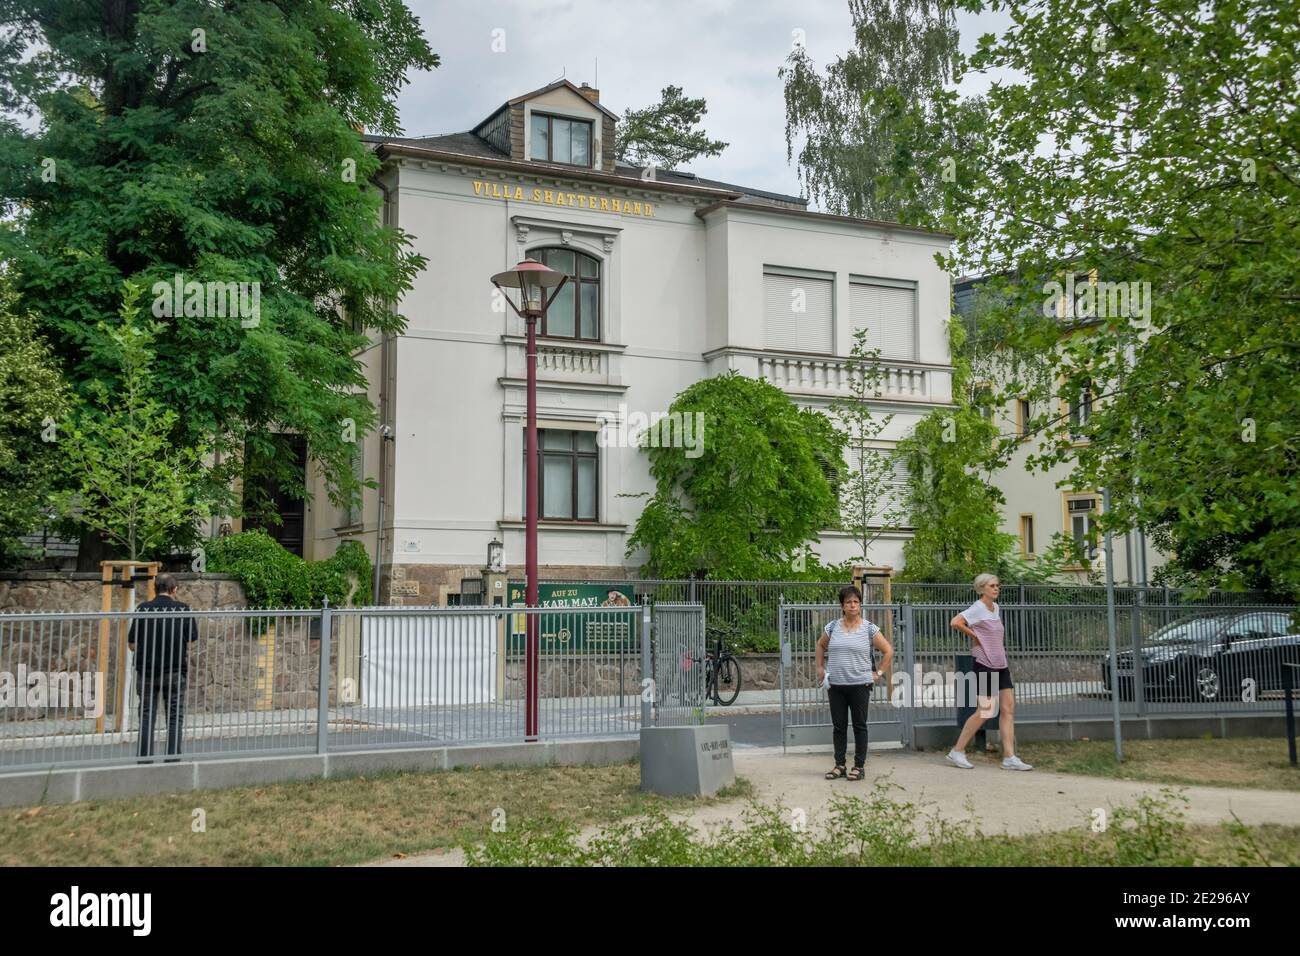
[{"x": 558, "y": 139}]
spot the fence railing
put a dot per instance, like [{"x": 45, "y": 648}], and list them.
[{"x": 75, "y": 687}]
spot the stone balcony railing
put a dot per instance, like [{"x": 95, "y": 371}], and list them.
[
  {"x": 558, "y": 361},
  {"x": 832, "y": 376}
]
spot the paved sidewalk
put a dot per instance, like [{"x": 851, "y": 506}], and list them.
[{"x": 1006, "y": 801}]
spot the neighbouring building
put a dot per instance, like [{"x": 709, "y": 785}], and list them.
[{"x": 1041, "y": 504}]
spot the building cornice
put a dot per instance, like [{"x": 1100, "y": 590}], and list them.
[{"x": 739, "y": 206}]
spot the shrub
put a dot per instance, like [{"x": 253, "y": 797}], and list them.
[{"x": 275, "y": 577}]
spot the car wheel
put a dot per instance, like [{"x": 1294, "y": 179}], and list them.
[{"x": 1207, "y": 685}]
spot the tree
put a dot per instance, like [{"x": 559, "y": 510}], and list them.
[
  {"x": 126, "y": 481},
  {"x": 194, "y": 144},
  {"x": 878, "y": 110},
  {"x": 33, "y": 398},
  {"x": 1137, "y": 188},
  {"x": 754, "y": 496},
  {"x": 868, "y": 504},
  {"x": 955, "y": 510},
  {"x": 664, "y": 133}
]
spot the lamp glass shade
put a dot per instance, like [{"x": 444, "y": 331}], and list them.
[
  {"x": 495, "y": 555},
  {"x": 533, "y": 280}
]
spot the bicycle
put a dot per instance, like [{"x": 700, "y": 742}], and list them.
[{"x": 721, "y": 675}]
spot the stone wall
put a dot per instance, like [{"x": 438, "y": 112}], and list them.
[
  {"x": 236, "y": 665},
  {"x": 67, "y": 591}
]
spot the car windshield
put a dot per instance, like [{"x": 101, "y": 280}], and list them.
[{"x": 1187, "y": 632}]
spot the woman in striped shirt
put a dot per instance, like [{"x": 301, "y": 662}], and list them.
[
  {"x": 982, "y": 623},
  {"x": 844, "y": 656}
]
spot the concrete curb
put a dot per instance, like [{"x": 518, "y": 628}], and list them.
[{"x": 107, "y": 783}]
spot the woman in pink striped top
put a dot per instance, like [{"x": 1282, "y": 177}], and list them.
[{"x": 982, "y": 623}]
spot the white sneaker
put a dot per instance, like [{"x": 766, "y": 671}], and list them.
[
  {"x": 1015, "y": 763},
  {"x": 958, "y": 758}
]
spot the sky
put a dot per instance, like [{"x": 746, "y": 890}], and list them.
[{"x": 726, "y": 51}]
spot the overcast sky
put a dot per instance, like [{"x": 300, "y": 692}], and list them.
[{"x": 727, "y": 51}]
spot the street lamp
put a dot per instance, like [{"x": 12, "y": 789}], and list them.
[
  {"x": 495, "y": 558},
  {"x": 533, "y": 280}
]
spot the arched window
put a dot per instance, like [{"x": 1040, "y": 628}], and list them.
[{"x": 575, "y": 313}]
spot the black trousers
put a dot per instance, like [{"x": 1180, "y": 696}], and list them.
[
  {"x": 846, "y": 698},
  {"x": 171, "y": 686}
]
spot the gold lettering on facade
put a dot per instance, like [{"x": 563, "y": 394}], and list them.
[{"x": 552, "y": 197}]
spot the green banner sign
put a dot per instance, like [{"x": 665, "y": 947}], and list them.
[{"x": 611, "y": 628}]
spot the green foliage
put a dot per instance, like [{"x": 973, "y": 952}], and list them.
[
  {"x": 275, "y": 577},
  {"x": 217, "y": 142},
  {"x": 664, "y": 134},
  {"x": 33, "y": 397},
  {"x": 868, "y": 505},
  {"x": 747, "y": 506},
  {"x": 880, "y": 128},
  {"x": 123, "y": 477},
  {"x": 876, "y": 830},
  {"x": 1172, "y": 158}
]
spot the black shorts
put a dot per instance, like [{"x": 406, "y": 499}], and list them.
[{"x": 1004, "y": 681}]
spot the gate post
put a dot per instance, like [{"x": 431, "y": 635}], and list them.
[
  {"x": 647, "y": 670},
  {"x": 908, "y": 636},
  {"x": 783, "y": 660},
  {"x": 323, "y": 691}
]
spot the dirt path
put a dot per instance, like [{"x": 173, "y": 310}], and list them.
[{"x": 1005, "y": 801}]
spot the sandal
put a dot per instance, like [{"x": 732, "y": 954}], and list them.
[
  {"x": 836, "y": 773},
  {"x": 857, "y": 773}
]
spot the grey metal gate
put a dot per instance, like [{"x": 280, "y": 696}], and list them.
[
  {"x": 805, "y": 710},
  {"x": 675, "y": 660}
]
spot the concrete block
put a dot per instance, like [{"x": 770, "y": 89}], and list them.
[
  {"x": 501, "y": 755},
  {"x": 38, "y": 787},
  {"x": 1186, "y": 726},
  {"x": 114, "y": 783},
  {"x": 377, "y": 761},
  {"x": 686, "y": 760},
  {"x": 251, "y": 771},
  {"x": 595, "y": 753}
]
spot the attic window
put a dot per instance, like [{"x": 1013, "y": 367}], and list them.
[{"x": 556, "y": 139}]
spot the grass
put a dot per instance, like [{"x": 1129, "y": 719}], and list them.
[
  {"x": 879, "y": 830},
  {"x": 325, "y": 822},
  {"x": 1258, "y": 763}
]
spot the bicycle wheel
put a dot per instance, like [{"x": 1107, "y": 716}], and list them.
[{"x": 727, "y": 677}]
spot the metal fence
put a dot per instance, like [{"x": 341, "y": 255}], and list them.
[
  {"x": 805, "y": 708},
  {"x": 1172, "y": 659},
  {"x": 677, "y": 664},
  {"x": 314, "y": 680}
]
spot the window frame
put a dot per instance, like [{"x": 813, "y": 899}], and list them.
[
  {"x": 1027, "y": 539},
  {"x": 576, "y": 280},
  {"x": 550, "y": 138},
  {"x": 574, "y": 456},
  {"x": 1093, "y": 546}
]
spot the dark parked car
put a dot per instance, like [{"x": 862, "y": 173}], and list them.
[{"x": 1220, "y": 657}]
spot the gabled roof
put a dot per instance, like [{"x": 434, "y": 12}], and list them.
[{"x": 546, "y": 89}]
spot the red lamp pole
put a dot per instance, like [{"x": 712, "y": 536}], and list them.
[{"x": 532, "y": 279}]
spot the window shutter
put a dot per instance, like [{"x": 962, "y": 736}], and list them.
[
  {"x": 888, "y": 313},
  {"x": 809, "y": 330}
]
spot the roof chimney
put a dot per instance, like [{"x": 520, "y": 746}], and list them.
[{"x": 590, "y": 92}]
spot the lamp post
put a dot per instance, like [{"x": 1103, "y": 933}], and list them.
[{"x": 533, "y": 280}]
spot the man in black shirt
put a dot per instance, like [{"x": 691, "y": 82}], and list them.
[{"x": 162, "y": 663}]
